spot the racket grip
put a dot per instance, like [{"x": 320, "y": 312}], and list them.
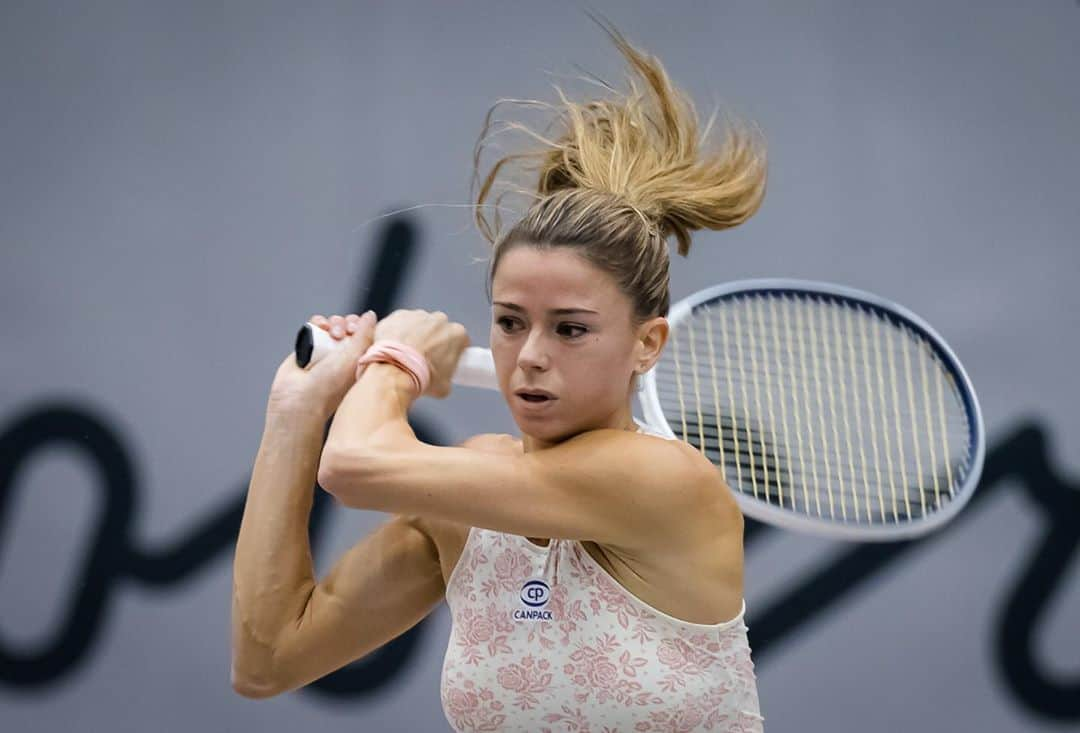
[
  {"x": 312, "y": 344},
  {"x": 476, "y": 368}
]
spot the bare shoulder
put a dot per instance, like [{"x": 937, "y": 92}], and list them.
[
  {"x": 645, "y": 458},
  {"x": 712, "y": 480},
  {"x": 680, "y": 482},
  {"x": 725, "y": 516}
]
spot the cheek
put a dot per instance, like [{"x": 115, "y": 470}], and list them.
[
  {"x": 598, "y": 374},
  {"x": 502, "y": 352}
]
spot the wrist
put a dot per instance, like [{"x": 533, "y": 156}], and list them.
[
  {"x": 390, "y": 376},
  {"x": 300, "y": 410},
  {"x": 403, "y": 356}
]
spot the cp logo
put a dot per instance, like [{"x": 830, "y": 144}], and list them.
[{"x": 535, "y": 593}]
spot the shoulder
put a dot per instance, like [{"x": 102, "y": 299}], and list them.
[
  {"x": 679, "y": 473},
  {"x": 646, "y": 455},
  {"x": 647, "y": 470}
]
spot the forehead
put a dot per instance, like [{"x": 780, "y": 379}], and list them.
[{"x": 527, "y": 275}]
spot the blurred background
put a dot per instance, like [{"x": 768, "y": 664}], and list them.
[{"x": 183, "y": 184}]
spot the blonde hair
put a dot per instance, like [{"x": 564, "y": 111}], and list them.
[{"x": 622, "y": 176}]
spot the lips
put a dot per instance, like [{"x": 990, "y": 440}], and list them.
[{"x": 535, "y": 396}]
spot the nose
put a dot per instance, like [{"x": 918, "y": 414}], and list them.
[{"x": 533, "y": 355}]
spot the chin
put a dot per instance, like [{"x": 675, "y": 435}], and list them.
[
  {"x": 547, "y": 430},
  {"x": 541, "y": 428}
]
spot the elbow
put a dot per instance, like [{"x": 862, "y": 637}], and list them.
[
  {"x": 347, "y": 476},
  {"x": 253, "y": 692},
  {"x": 253, "y": 667},
  {"x": 331, "y": 471},
  {"x": 327, "y": 475},
  {"x": 253, "y": 688}
]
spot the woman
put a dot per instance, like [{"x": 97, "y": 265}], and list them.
[{"x": 594, "y": 572}]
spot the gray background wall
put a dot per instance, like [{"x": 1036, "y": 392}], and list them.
[{"x": 182, "y": 184}]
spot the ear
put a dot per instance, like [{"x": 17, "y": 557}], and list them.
[{"x": 651, "y": 337}]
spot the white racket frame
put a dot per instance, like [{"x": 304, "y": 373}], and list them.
[{"x": 654, "y": 415}]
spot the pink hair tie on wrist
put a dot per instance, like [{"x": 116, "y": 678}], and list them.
[{"x": 403, "y": 356}]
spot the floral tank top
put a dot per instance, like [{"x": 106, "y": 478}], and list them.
[{"x": 544, "y": 639}]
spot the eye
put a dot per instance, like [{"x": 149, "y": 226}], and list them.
[
  {"x": 571, "y": 330},
  {"x": 506, "y": 323}
]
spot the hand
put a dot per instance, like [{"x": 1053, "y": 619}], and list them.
[
  {"x": 439, "y": 339},
  {"x": 323, "y": 386}
]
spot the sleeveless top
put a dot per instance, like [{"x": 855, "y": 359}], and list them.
[{"x": 543, "y": 639}]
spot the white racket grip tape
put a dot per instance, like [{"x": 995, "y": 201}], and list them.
[{"x": 476, "y": 368}]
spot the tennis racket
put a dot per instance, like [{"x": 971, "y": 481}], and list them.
[{"x": 827, "y": 410}]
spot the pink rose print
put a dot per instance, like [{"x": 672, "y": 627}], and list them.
[
  {"x": 477, "y": 629},
  {"x": 684, "y": 661},
  {"x": 473, "y": 709},
  {"x": 741, "y": 722},
  {"x": 511, "y": 568},
  {"x": 573, "y": 720},
  {"x": 602, "y": 673},
  {"x": 678, "y": 720},
  {"x": 607, "y": 595},
  {"x": 612, "y": 598},
  {"x": 464, "y": 577},
  {"x": 705, "y": 642},
  {"x": 566, "y": 617},
  {"x": 592, "y": 669},
  {"x": 741, "y": 666},
  {"x": 477, "y": 632},
  {"x": 528, "y": 679},
  {"x": 679, "y": 655}
]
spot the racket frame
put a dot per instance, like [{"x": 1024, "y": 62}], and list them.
[{"x": 648, "y": 398}]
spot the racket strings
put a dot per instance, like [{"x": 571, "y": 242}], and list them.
[
  {"x": 768, "y": 463},
  {"x": 817, "y": 405}
]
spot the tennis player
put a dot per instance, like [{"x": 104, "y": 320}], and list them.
[{"x": 593, "y": 570}]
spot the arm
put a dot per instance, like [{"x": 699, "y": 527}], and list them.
[
  {"x": 609, "y": 486},
  {"x": 287, "y": 629}
]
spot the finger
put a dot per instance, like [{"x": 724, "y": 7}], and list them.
[
  {"x": 337, "y": 326},
  {"x": 360, "y": 325},
  {"x": 319, "y": 321},
  {"x": 366, "y": 322}
]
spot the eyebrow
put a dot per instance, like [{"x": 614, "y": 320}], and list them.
[{"x": 553, "y": 311}]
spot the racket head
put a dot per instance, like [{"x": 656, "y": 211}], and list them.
[{"x": 660, "y": 410}]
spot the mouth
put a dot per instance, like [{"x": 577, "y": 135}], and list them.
[{"x": 535, "y": 396}]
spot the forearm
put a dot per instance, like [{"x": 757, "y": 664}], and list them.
[
  {"x": 273, "y": 573},
  {"x": 374, "y": 412}
]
